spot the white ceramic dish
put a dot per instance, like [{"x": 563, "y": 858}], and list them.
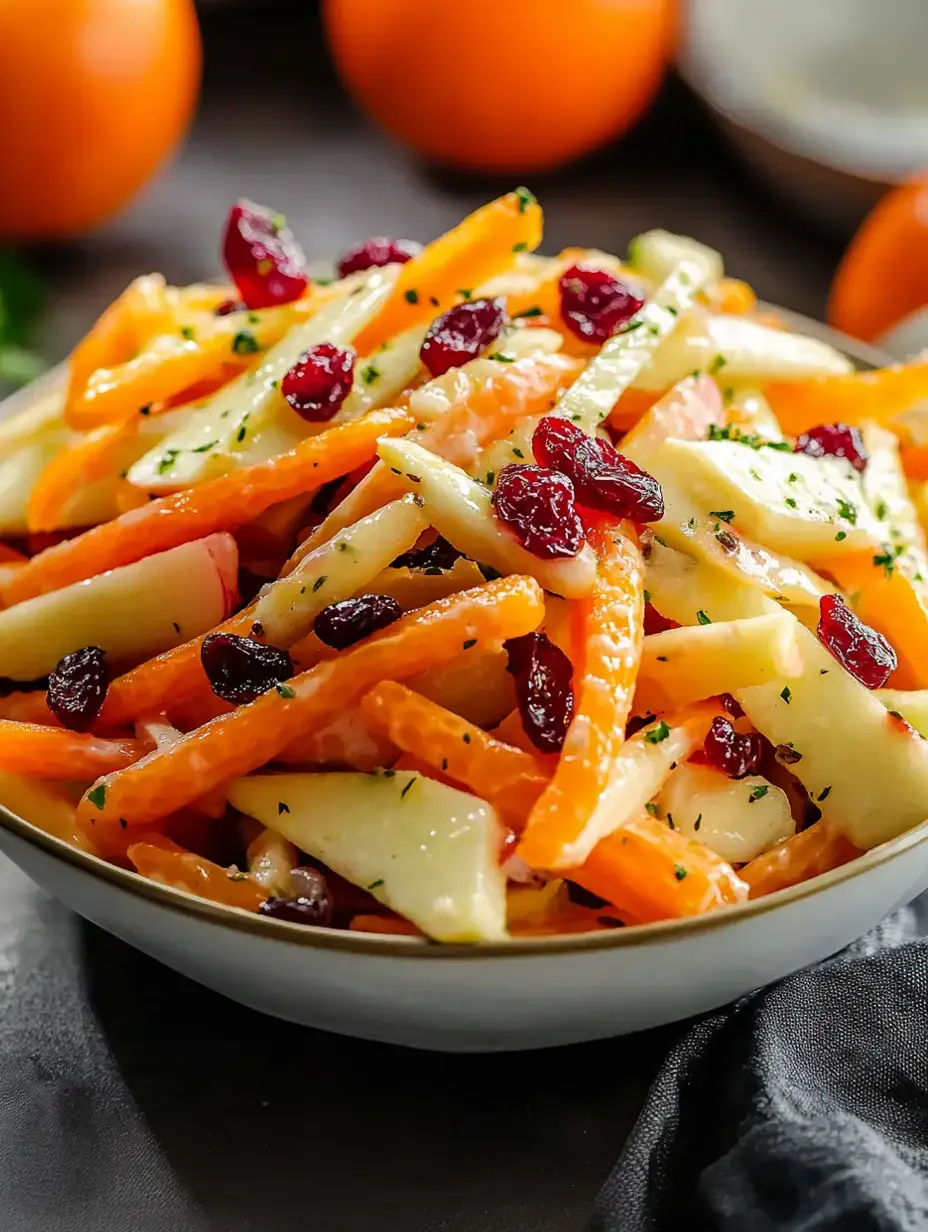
[
  {"x": 490, "y": 997},
  {"x": 828, "y": 101}
]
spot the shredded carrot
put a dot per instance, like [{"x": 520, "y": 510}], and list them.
[
  {"x": 172, "y": 363},
  {"x": 239, "y": 742},
  {"x": 140, "y": 312},
  {"x": 85, "y": 462},
  {"x": 45, "y": 752},
  {"x": 168, "y": 680},
  {"x": 505, "y": 776},
  {"x": 478, "y": 248},
  {"x": 650, "y": 872},
  {"x": 166, "y": 862},
  {"x": 613, "y": 619},
  {"x": 851, "y": 398},
  {"x": 216, "y": 505},
  {"x": 805, "y": 855}
]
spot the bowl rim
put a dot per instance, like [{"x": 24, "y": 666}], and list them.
[{"x": 392, "y": 946}]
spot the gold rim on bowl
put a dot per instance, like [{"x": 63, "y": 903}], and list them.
[{"x": 385, "y": 945}]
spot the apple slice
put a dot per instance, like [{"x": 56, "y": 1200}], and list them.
[
  {"x": 688, "y": 664},
  {"x": 738, "y": 819},
  {"x": 133, "y": 612},
  {"x": 459, "y": 508},
  {"x": 428, "y": 851},
  {"x": 248, "y": 420}
]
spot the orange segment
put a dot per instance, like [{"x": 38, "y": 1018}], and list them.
[
  {"x": 161, "y": 860},
  {"x": 484, "y": 410},
  {"x": 892, "y": 599},
  {"x": 613, "y": 620},
  {"x": 650, "y": 872},
  {"x": 799, "y": 858},
  {"x": 851, "y": 398},
  {"x": 248, "y": 737},
  {"x": 216, "y": 505},
  {"x": 505, "y": 776}
]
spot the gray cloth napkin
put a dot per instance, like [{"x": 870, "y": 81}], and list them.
[{"x": 803, "y": 1107}]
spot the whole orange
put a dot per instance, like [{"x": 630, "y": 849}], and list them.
[
  {"x": 884, "y": 274},
  {"x": 502, "y": 85},
  {"x": 94, "y": 94}
]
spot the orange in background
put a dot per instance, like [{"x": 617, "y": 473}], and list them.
[
  {"x": 94, "y": 94},
  {"x": 502, "y": 85},
  {"x": 884, "y": 274}
]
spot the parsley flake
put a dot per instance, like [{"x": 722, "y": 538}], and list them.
[
  {"x": 282, "y": 808},
  {"x": 525, "y": 198},
  {"x": 97, "y": 796},
  {"x": 723, "y": 515},
  {"x": 703, "y": 618},
  {"x": 412, "y": 296},
  {"x": 285, "y": 691},
  {"x": 679, "y": 872},
  {"x": 657, "y": 733},
  {"x": 758, "y": 793},
  {"x": 786, "y": 694},
  {"x": 847, "y": 510},
  {"x": 245, "y": 343}
]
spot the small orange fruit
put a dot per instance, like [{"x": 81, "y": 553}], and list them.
[
  {"x": 94, "y": 94},
  {"x": 511, "y": 87},
  {"x": 884, "y": 274}
]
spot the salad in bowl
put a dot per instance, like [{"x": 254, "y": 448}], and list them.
[{"x": 468, "y": 594}]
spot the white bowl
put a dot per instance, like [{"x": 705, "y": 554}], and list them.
[
  {"x": 527, "y": 993},
  {"x": 828, "y": 100}
]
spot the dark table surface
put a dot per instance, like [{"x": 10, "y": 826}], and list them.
[{"x": 132, "y": 1099}]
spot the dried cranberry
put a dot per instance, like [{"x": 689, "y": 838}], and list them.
[
  {"x": 77, "y": 688},
  {"x": 537, "y": 504},
  {"x": 654, "y": 622},
  {"x": 228, "y": 306},
  {"x": 734, "y": 754},
  {"x": 602, "y": 478},
  {"x": 732, "y": 705},
  {"x": 239, "y": 669},
  {"x": 319, "y": 381},
  {"x": 461, "y": 334},
  {"x": 594, "y": 303},
  {"x": 342, "y": 624},
  {"x": 859, "y": 649},
  {"x": 542, "y": 674},
  {"x": 374, "y": 252},
  {"x": 439, "y": 554},
  {"x": 834, "y": 441},
  {"x": 307, "y": 908},
  {"x": 260, "y": 252}
]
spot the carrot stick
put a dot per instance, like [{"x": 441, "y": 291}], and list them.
[
  {"x": 29, "y": 707},
  {"x": 55, "y": 753},
  {"x": 85, "y": 462},
  {"x": 216, "y": 505},
  {"x": 613, "y": 618},
  {"x": 650, "y": 872},
  {"x": 730, "y": 296},
  {"x": 914, "y": 460},
  {"x": 47, "y": 806},
  {"x": 172, "y": 362},
  {"x": 483, "y": 410},
  {"x": 161, "y": 860},
  {"x": 140, "y": 312},
  {"x": 478, "y": 248},
  {"x": 851, "y": 398},
  {"x": 506, "y": 777},
  {"x": 248, "y": 737},
  {"x": 892, "y": 599},
  {"x": 806, "y": 854}
]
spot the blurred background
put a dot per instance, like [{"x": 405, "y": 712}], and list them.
[{"x": 767, "y": 128}]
